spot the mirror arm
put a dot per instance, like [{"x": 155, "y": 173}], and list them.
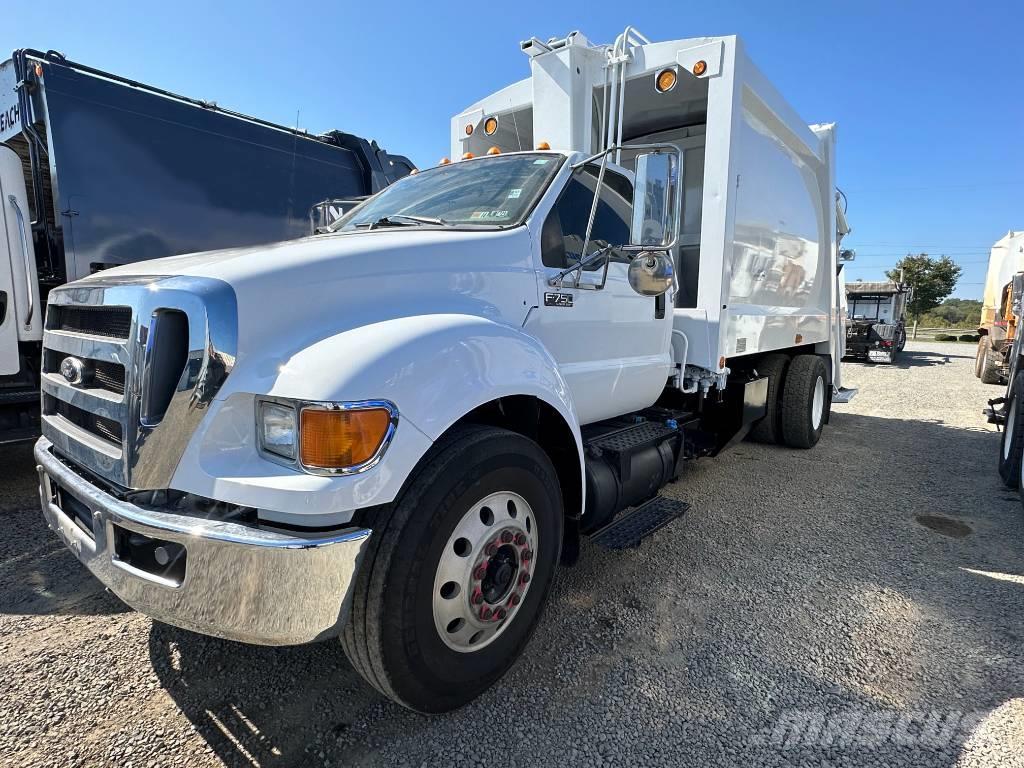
[{"x": 558, "y": 279}]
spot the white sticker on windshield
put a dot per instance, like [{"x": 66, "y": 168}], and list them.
[
  {"x": 489, "y": 215},
  {"x": 541, "y": 161},
  {"x": 513, "y": 193}
]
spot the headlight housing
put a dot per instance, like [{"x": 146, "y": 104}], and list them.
[{"x": 325, "y": 438}]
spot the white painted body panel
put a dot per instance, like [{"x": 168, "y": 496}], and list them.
[
  {"x": 1005, "y": 260},
  {"x": 767, "y": 234},
  {"x": 429, "y": 319},
  {"x": 17, "y": 269}
]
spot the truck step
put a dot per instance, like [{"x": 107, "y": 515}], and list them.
[
  {"x": 634, "y": 526},
  {"x": 631, "y": 437},
  {"x": 843, "y": 395}
]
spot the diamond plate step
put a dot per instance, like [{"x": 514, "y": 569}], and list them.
[{"x": 632, "y": 527}]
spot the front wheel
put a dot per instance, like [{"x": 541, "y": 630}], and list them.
[
  {"x": 1011, "y": 446},
  {"x": 458, "y": 571}
]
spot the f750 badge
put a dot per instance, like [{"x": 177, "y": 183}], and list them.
[{"x": 557, "y": 299}]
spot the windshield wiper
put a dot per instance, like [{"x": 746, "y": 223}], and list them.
[{"x": 404, "y": 220}]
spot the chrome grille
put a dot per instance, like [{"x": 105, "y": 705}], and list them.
[
  {"x": 108, "y": 322},
  {"x": 153, "y": 352}
]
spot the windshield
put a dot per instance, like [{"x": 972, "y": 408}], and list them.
[{"x": 492, "y": 191}]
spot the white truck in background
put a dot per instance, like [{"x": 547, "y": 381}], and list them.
[{"x": 395, "y": 431}]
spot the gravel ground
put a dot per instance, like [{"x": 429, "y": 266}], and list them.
[{"x": 859, "y": 604}]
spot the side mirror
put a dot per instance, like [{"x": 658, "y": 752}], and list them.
[
  {"x": 326, "y": 212},
  {"x": 655, "y": 201},
  {"x": 847, "y": 254},
  {"x": 651, "y": 273}
]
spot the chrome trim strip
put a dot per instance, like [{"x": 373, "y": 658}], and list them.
[
  {"x": 87, "y": 347},
  {"x": 95, "y": 401},
  {"x": 301, "y": 405},
  {"x": 241, "y": 582}
]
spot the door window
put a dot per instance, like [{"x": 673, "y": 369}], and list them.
[{"x": 566, "y": 225}]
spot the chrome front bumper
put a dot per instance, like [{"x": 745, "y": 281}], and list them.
[{"x": 238, "y": 582}]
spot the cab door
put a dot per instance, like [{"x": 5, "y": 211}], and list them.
[
  {"x": 611, "y": 344},
  {"x": 20, "y": 314}
]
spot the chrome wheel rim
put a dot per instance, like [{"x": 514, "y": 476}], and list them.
[
  {"x": 818, "y": 403},
  {"x": 485, "y": 571},
  {"x": 1011, "y": 417}
]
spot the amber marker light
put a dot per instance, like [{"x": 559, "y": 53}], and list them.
[
  {"x": 490, "y": 125},
  {"x": 543, "y": 145},
  {"x": 341, "y": 439},
  {"x": 469, "y": 129},
  {"x": 700, "y": 68},
  {"x": 665, "y": 81},
  {"x": 467, "y": 155},
  {"x": 444, "y": 161},
  {"x": 493, "y": 151}
]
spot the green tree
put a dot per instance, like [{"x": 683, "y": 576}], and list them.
[{"x": 933, "y": 279}]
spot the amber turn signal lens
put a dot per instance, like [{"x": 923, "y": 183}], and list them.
[
  {"x": 340, "y": 439},
  {"x": 490, "y": 125},
  {"x": 666, "y": 80},
  {"x": 700, "y": 68},
  {"x": 469, "y": 129}
]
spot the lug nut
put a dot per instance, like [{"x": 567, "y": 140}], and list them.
[
  {"x": 478, "y": 597},
  {"x": 491, "y": 549},
  {"x": 515, "y": 598},
  {"x": 520, "y": 539},
  {"x": 527, "y": 555},
  {"x": 500, "y": 614},
  {"x": 524, "y": 579},
  {"x": 480, "y": 572},
  {"x": 506, "y": 537},
  {"x": 485, "y": 613}
]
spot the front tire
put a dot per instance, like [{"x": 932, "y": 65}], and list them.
[
  {"x": 805, "y": 399},
  {"x": 1011, "y": 446},
  {"x": 419, "y": 595}
]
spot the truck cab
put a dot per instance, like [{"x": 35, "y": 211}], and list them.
[{"x": 397, "y": 430}]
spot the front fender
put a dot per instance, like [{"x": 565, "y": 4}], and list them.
[{"x": 435, "y": 368}]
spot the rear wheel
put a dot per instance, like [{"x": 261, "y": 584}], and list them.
[
  {"x": 804, "y": 401},
  {"x": 1012, "y": 444},
  {"x": 768, "y": 429},
  {"x": 989, "y": 366},
  {"x": 458, "y": 571}
]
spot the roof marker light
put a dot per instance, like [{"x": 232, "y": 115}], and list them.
[
  {"x": 543, "y": 145},
  {"x": 490, "y": 125},
  {"x": 469, "y": 129},
  {"x": 493, "y": 151},
  {"x": 444, "y": 161},
  {"x": 467, "y": 155},
  {"x": 665, "y": 81},
  {"x": 700, "y": 68}
]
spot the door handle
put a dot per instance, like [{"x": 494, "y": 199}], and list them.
[{"x": 28, "y": 263}]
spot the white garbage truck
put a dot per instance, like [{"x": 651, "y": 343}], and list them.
[{"x": 395, "y": 432}]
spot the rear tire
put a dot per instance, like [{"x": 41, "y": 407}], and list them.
[
  {"x": 768, "y": 428},
  {"x": 805, "y": 398},
  {"x": 989, "y": 366},
  {"x": 1011, "y": 446},
  {"x": 393, "y": 637}
]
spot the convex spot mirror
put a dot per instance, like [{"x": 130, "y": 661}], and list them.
[
  {"x": 651, "y": 273},
  {"x": 655, "y": 200}
]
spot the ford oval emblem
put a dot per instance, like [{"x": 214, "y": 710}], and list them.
[{"x": 72, "y": 369}]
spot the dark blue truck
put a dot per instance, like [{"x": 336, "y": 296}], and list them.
[{"x": 97, "y": 170}]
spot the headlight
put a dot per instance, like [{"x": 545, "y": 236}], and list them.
[
  {"x": 326, "y": 438},
  {"x": 278, "y": 430}
]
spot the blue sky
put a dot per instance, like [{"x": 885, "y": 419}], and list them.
[{"x": 929, "y": 96}]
